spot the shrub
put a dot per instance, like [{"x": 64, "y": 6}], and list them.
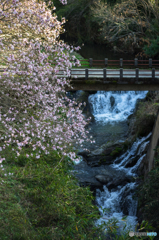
[{"x": 42, "y": 200}]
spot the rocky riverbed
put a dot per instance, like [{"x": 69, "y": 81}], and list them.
[{"x": 115, "y": 164}]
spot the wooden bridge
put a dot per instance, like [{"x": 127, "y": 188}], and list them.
[
  {"x": 109, "y": 75},
  {"x": 105, "y": 78}
]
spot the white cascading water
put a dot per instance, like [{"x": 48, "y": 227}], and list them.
[
  {"x": 113, "y": 107},
  {"x": 113, "y": 200}
]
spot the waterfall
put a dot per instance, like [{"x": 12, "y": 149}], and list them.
[
  {"x": 114, "y": 107},
  {"x": 119, "y": 201}
]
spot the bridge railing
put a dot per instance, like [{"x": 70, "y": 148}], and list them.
[
  {"x": 113, "y": 74},
  {"x": 136, "y": 63}
]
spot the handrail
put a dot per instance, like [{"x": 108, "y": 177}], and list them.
[
  {"x": 150, "y": 63},
  {"x": 112, "y": 74},
  {"x": 136, "y": 63}
]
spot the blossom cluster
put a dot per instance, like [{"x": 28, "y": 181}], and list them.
[{"x": 34, "y": 109}]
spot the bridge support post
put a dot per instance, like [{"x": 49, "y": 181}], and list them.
[
  {"x": 136, "y": 62},
  {"x": 90, "y": 62},
  {"x": 150, "y": 62},
  {"x": 104, "y": 74},
  {"x": 86, "y": 73},
  {"x": 121, "y": 73},
  {"x": 153, "y": 74},
  {"x": 137, "y": 74},
  {"x": 106, "y": 62},
  {"x": 121, "y": 62}
]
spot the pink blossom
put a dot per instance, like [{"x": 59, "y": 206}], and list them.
[{"x": 36, "y": 77}]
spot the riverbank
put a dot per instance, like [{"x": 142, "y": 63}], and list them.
[{"x": 147, "y": 191}]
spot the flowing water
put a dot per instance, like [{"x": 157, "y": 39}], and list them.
[
  {"x": 113, "y": 106},
  {"x": 110, "y": 111},
  {"x": 119, "y": 202}
]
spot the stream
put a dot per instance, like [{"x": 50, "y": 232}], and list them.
[{"x": 110, "y": 111}]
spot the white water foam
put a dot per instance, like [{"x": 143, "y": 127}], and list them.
[{"x": 114, "y": 106}]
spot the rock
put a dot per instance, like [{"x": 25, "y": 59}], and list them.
[
  {"x": 112, "y": 101},
  {"x": 103, "y": 178},
  {"x": 132, "y": 161},
  {"x": 104, "y": 155},
  {"x": 86, "y": 175},
  {"x": 82, "y": 97},
  {"x": 96, "y": 177},
  {"x": 126, "y": 200},
  {"x": 119, "y": 179},
  {"x": 83, "y": 153},
  {"x": 140, "y": 170}
]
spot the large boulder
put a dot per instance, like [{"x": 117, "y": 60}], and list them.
[{"x": 104, "y": 155}]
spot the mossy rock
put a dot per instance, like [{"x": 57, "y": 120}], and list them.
[
  {"x": 146, "y": 126},
  {"x": 116, "y": 152}
]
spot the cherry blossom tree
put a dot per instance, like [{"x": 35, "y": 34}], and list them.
[{"x": 34, "y": 110}]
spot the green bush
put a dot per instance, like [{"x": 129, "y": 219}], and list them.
[
  {"x": 153, "y": 49},
  {"x": 148, "y": 196},
  {"x": 42, "y": 200}
]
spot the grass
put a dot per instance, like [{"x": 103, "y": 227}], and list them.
[{"x": 43, "y": 201}]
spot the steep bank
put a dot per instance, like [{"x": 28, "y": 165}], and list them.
[
  {"x": 140, "y": 124},
  {"x": 148, "y": 190}
]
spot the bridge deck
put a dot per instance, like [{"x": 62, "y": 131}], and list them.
[
  {"x": 110, "y": 73},
  {"x": 111, "y": 79}
]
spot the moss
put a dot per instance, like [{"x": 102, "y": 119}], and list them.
[
  {"x": 90, "y": 81},
  {"x": 116, "y": 152},
  {"x": 126, "y": 145},
  {"x": 144, "y": 117},
  {"x": 114, "y": 81}
]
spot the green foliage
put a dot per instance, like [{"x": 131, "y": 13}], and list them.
[
  {"x": 42, "y": 200},
  {"x": 148, "y": 196},
  {"x": 126, "y": 25},
  {"x": 78, "y": 19},
  {"x": 153, "y": 49}
]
